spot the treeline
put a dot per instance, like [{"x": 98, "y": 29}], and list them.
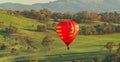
[
  {"x": 109, "y": 21},
  {"x": 45, "y": 15},
  {"x": 99, "y": 29}
]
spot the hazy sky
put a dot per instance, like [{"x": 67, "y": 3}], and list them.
[{"x": 26, "y": 1}]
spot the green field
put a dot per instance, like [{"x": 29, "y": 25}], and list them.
[{"x": 89, "y": 45}]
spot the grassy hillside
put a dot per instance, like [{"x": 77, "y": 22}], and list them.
[
  {"x": 19, "y": 22},
  {"x": 82, "y": 45}
]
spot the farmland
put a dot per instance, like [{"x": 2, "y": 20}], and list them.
[{"x": 83, "y": 46}]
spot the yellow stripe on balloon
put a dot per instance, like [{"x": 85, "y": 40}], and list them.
[
  {"x": 71, "y": 31},
  {"x": 58, "y": 27},
  {"x": 59, "y": 30},
  {"x": 60, "y": 34},
  {"x": 71, "y": 35},
  {"x": 61, "y": 37}
]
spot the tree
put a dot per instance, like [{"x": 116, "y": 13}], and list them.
[
  {"x": 17, "y": 13},
  {"x": 117, "y": 28},
  {"x": 118, "y": 51},
  {"x": 47, "y": 13},
  {"x": 57, "y": 15},
  {"x": 82, "y": 17},
  {"x": 11, "y": 29},
  {"x": 67, "y": 15},
  {"x": 43, "y": 15},
  {"x": 47, "y": 42},
  {"x": 110, "y": 17},
  {"x": 41, "y": 28},
  {"x": 110, "y": 45},
  {"x": 113, "y": 57},
  {"x": 2, "y": 46},
  {"x": 119, "y": 45},
  {"x": 25, "y": 13},
  {"x": 33, "y": 14},
  {"x": 28, "y": 41},
  {"x": 94, "y": 16}
]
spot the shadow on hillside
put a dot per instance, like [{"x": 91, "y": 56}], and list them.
[
  {"x": 31, "y": 30},
  {"x": 87, "y": 57},
  {"x": 4, "y": 34},
  {"x": 69, "y": 57}
]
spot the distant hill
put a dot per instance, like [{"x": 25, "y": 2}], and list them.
[{"x": 69, "y": 5}]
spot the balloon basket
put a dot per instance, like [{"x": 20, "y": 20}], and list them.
[{"x": 68, "y": 48}]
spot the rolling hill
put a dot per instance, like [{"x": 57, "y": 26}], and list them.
[
  {"x": 18, "y": 21},
  {"x": 68, "y": 5},
  {"x": 82, "y": 46}
]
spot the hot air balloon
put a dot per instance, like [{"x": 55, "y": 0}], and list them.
[{"x": 67, "y": 30}]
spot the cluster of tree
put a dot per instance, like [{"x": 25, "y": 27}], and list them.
[
  {"x": 10, "y": 12},
  {"x": 99, "y": 29},
  {"x": 110, "y": 17},
  {"x": 44, "y": 15},
  {"x": 80, "y": 17},
  {"x": 58, "y": 15},
  {"x": 86, "y": 17},
  {"x": 117, "y": 28}
]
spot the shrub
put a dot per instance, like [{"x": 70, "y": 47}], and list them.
[
  {"x": 2, "y": 46},
  {"x": 41, "y": 28},
  {"x": 13, "y": 50},
  {"x": 47, "y": 41},
  {"x": 11, "y": 29},
  {"x": 110, "y": 46}
]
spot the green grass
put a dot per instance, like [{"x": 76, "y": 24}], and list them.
[
  {"x": 81, "y": 46},
  {"x": 19, "y": 22}
]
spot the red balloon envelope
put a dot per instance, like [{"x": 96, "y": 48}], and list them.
[{"x": 67, "y": 31}]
